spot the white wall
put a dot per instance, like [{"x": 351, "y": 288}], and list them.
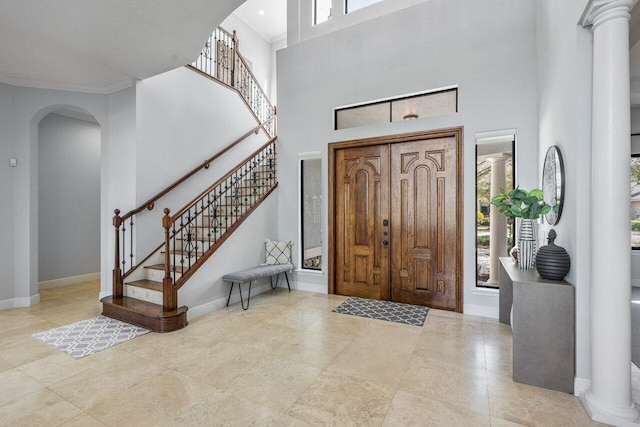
[
  {"x": 7, "y": 175},
  {"x": 275, "y": 47},
  {"x": 564, "y": 111},
  {"x": 68, "y": 197},
  {"x": 486, "y": 48},
  {"x": 254, "y": 48}
]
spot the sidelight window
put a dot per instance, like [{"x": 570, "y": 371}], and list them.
[
  {"x": 310, "y": 212},
  {"x": 494, "y": 232}
]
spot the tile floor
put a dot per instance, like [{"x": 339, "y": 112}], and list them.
[{"x": 287, "y": 361}]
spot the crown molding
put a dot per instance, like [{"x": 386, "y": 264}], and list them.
[{"x": 115, "y": 86}]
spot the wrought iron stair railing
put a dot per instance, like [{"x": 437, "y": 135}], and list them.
[
  {"x": 221, "y": 60},
  {"x": 125, "y": 251},
  {"x": 194, "y": 233}
]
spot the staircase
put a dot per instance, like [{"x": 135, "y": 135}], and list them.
[{"x": 146, "y": 293}]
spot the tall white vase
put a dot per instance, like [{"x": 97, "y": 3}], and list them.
[{"x": 527, "y": 244}]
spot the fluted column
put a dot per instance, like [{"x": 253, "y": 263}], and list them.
[
  {"x": 497, "y": 221},
  {"x": 609, "y": 397}
]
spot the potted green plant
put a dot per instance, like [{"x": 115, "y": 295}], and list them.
[{"x": 528, "y": 206}]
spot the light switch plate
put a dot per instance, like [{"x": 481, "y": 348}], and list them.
[{"x": 13, "y": 162}]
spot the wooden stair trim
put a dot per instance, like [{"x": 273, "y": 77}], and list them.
[
  {"x": 152, "y": 285},
  {"x": 161, "y": 267},
  {"x": 144, "y": 314}
]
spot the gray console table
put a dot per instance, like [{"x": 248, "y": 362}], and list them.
[{"x": 543, "y": 326}]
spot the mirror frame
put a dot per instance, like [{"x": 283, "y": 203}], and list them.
[{"x": 552, "y": 161}]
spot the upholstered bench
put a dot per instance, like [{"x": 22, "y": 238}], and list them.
[{"x": 252, "y": 274}]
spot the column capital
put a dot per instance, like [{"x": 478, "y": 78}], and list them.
[
  {"x": 600, "y": 11},
  {"x": 497, "y": 157}
]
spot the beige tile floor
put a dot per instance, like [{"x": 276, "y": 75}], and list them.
[{"x": 287, "y": 361}]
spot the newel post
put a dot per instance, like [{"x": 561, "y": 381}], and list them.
[
  {"x": 169, "y": 295},
  {"x": 117, "y": 275}
]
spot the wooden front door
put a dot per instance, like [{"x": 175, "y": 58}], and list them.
[
  {"x": 396, "y": 221},
  {"x": 362, "y": 200}
]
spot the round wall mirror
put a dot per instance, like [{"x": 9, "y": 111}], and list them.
[{"x": 553, "y": 184}]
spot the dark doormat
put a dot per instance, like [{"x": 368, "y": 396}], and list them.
[
  {"x": 635, "y": 325},
  {"x": 414, "y": 315}
]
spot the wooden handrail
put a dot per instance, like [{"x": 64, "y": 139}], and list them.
[
  {"x": 215, "y": 184},
  {"x": 149, "y": 204}
]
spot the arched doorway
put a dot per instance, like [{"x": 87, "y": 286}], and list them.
[{"x": 69, "y": 158}]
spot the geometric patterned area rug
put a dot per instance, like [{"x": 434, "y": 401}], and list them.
[
  {"x": 89, "y": 336},
  {"x": 384, "y": 310}
]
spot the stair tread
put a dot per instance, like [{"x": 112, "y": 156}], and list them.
[
  {"x": 141, "y": 307},
  {"x": 147, "y": 284},
  {"x": 161, "y": 267}
]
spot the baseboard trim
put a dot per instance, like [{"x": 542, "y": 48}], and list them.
[
  {"x": 580, "y": 385},
  {"x": 68, "y": 280},
  {"x": 19, "y": 302},
  {"x": 318, "y": 288},
  {"x": 481, "y": 310},
  {"x": 220, "y": 303}
]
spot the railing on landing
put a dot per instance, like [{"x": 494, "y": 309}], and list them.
[{"x": 221, "y": 60}]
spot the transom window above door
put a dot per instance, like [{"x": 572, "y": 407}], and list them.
[{"x": 397, "y": 109}]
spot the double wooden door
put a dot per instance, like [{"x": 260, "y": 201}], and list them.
[{"x": 396, "y": 224}]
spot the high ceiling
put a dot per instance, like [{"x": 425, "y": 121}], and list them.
[
  {"x": 271, "y": 24},
  {"x": 101, "y": 46}
]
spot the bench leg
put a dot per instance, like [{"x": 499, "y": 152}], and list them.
[
  {"x": 271, "y": 281},
  {"x": 287, "y": 277},
  {"x": 230, "y": 290},
  {"x": 248, "y": 298}
]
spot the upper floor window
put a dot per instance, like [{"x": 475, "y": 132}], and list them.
[
  {"x": 322, "y": 8},
  {"x": 353, "y": 5},
  {"x": 321, "y": 11}
]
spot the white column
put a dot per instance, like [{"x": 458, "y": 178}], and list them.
[
  {"x": 609, "y": 397},
  {"x": 497, "y": 221}
]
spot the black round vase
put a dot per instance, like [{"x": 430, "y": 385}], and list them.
[{"x": 552, "y": 261}]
